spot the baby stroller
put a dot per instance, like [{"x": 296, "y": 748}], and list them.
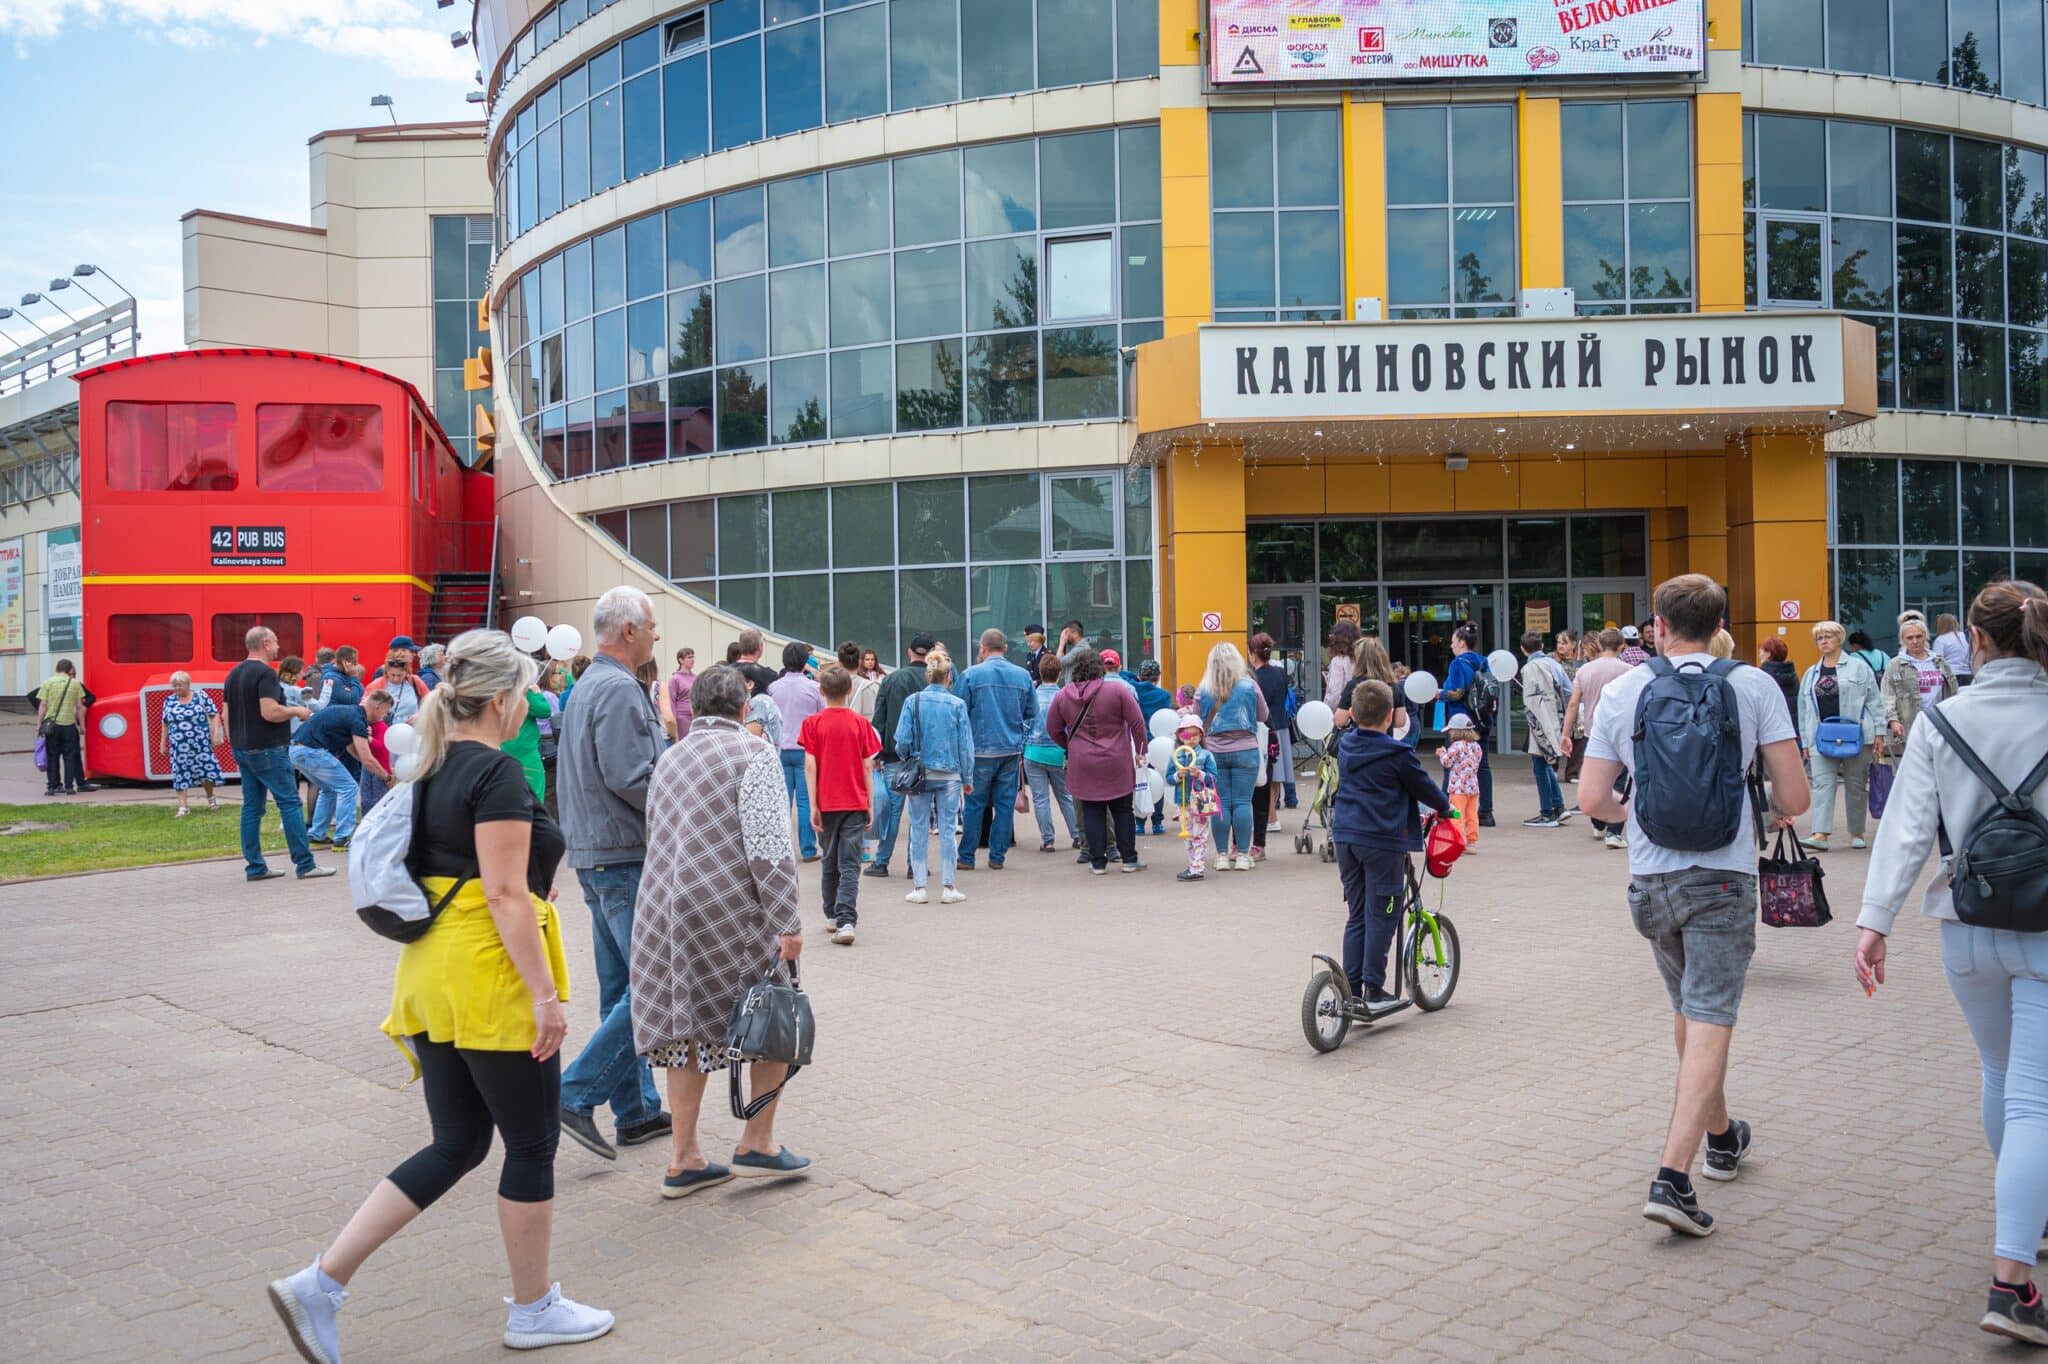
[{"x": 1320, "y": 809}]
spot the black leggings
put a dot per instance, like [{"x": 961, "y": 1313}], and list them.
[
  {"x": 468, "y": 1093},
  {"x": 1102, "y": 819}
]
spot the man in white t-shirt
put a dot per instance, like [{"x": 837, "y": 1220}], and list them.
[{"x": 1697, "y": 908}]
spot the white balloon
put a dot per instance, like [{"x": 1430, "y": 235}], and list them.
[
  {"x": 564, "y": 642},
  {"x": 403, "y": 765},
  {"x": 529, "y": 633},
  {"x": 1163, "y": 722},
  {"x": 1159, "y": 753},
  {"x": 1315, "y": 721},
  {"x": 1157, "y": 784},
  {"x": 1502, "y": 665},
  {"x": 401, "y": 739},
  {"x": 1421, "y": 687}
]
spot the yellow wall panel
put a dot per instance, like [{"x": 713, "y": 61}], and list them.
[
  {"x": 1184, "y": 211},
  {"x": 1358, "y": 488},
  {"x": 1284, "y": 489},
  {"x": 1706, "y": 554},
  {"x": 1636, "y": 481},
  {"x": 1184, "y": 143},
  {"x": 1488, "y": 485},
  {"x": 1206, "y": 489},
  {"x": 1721, "y": 283},
  {"x": 1208, "y": 572},
  {"x": 1420, "y": 486},
  {"x": 1724, "y": 25},
  {"x": 1720, "y": 202},
  {"x": 1542, "y": 201},
  {"x": 1184, "y": 272},
  {"x": 1365, "y": 200},
  {"x": 1553, "y": 484},
  {"x": 1180, "y": 42}
]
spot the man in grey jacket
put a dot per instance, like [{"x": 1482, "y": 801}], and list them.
[{"x": 609, "y": 743}]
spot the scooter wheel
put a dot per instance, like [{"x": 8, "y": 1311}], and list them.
[
  {"x": 1324, "y": 1018},
  {"x": 1329, "y": 851}
]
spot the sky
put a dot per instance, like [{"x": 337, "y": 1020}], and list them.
[{"x": 123, "y": 115}]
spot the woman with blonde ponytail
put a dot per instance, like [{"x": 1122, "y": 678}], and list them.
[
  {"x": 1999, "y": 976},
  {"x": 476, "y": 1006}
]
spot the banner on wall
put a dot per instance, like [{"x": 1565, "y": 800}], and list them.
[
  {"x": 1295, "y": 42},
  {"x": 13, "y": 610},
  {"x": 63, "y": 590}
]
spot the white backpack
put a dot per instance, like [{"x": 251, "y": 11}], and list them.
[{"x": 386, "y": 896}]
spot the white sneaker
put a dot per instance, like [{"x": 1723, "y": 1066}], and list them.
[
  {"x": 1617, "y": 841},
  {"x": 554, "y": 1320},
  {"x": 308, "y": 1311},
  {"x": 952, "y": 895},
  {"x": 843, "y": 935},
  {"x": 917, "y": 897},
  {"x": 1243, "y": 864}
]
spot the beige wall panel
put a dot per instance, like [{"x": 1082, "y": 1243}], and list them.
[
  {"x": 389, "y": 332},
  {"x": 395, "y": 181},
  {"x": 985, "y": 120},
  {"x": 455, "y": 184},
  {"x": 1079, "y": 106},
  {"x": 794, "y": 154},
  {"x": 391, "y": 232},
  {"x": 226, "y": 318},
  {"x": 391, "y": 281}
]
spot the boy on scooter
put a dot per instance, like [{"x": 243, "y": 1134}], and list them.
[{"x": 1375, "y": 825}]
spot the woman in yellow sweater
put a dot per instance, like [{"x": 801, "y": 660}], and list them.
[{"x": 477, "y": 1006}]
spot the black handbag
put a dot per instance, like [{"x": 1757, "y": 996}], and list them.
[
  {"x": 909, "y": 777},
  {"x": 1789, "y": 893},
  {"x": 770, "y": 1022}
]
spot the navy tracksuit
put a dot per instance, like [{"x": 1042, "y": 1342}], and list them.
[{"x": 1374, "y": 822}]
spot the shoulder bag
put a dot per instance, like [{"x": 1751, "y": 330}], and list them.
[
  {"x": 1789, "y": 892},
  {"x": 1838, "y": 738},
  {"x": 770, "y": 1022},
  {"x": 909, "y": 777},
  {"x": 50, "y": 716}
]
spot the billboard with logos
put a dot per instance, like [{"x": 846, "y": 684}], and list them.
[{"x": 1292, "y": 42}]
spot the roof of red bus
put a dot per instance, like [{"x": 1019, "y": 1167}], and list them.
[{"x": 270, "y": 353}]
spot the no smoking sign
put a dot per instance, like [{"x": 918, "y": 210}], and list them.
[
  {"x": 1212, "y": 622},
  {"x": 1788, "y": 610}
]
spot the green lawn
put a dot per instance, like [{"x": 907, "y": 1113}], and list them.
[{"x": 102, "y": 837}]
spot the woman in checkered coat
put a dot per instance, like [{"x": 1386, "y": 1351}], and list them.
[{"x": 717, "y": 911}]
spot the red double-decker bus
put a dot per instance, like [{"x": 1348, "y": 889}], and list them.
[{"x": 223, "y": 489}]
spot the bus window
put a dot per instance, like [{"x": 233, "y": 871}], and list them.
[
  {"x": 231, "y": 633},
  {"x": 320, "y": 447},
  {"x": 171, "y": 447},
  {"x": 422, "y": 465},
  {"x": 150, "y": 639}
]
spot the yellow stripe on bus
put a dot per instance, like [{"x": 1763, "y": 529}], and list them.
[{"x": 196, "y": 579}]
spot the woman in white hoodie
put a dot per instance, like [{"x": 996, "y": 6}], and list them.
[{"x": 1999, "y": 976}]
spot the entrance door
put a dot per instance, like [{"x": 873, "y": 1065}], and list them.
[
  {"x": 1791, "y": 260},
  {"x": 1288, "y": 614},
  {"x": 1420, "y": 620},
  {"x": 1602, "y": 604}
]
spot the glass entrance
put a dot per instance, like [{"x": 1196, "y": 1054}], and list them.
[
  {"x": 1419, "y": 622},
  {"x": 1609, "y": 604},
  {"x": 1288, "y": 614}
]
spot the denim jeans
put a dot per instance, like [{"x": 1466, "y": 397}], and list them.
[
  {"x": 334, "y": 809},
  {"x": 1485, "y": 773},
  {"x": 1549, "y": 795},
  {"x": 839, "y": 874},
  {"x": 1047, "y": 785},
  {"x": 1235, "y": 773},
  {"x": 995, "y": 787},
  {"x": 888, "y": 814},
  {"x": 1286, "y": 774},
  {"x": 793, "y": 783},
  {"x": 940, "y": 801},
  {"x": 268, "y": 772},
  {"x": 2000, "y": 979},
  {"x": 608, "y": 1070}
]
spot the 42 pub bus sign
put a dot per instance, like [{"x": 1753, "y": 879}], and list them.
[{"x": 246, "y": 546}]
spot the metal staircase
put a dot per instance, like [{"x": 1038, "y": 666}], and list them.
[{"x": 464, "y": 600}]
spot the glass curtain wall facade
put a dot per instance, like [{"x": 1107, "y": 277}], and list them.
[
  {"x": 461, "y": 276},
  {"x": 1278, "y": 214},
  {"x": 1995, "y": 47},
  {"x": 877, "y": 562},
  {"x": 738, "y": 71},
  {"x": 1452, "y": 239},
  {"x": 986, "y": 286},
  {"x": 1927, "y": 535},
  {"x": 1940, "y": 242},
  {"x": 1628, "y": 205}
]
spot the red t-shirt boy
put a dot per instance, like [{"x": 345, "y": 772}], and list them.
[{"x": 839, "y": 748}]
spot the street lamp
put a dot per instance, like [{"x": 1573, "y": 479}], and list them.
[
  {"x": 459, "y": 38},
  {"x": 65, "y": 282},
  {"x": 31, "y": 299},
  {"x": 384, "y": 102},
  {"x": 6, "y": 313},
  {"x": 87, "y": 271}
]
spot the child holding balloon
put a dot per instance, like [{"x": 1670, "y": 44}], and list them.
[{"x": 1191, "y": 774}]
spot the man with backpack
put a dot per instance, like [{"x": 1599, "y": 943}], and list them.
[
  {"x": 1469, "y": 687},
  {"x": 1686, "y": 728}
]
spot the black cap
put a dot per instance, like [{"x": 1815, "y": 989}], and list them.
[
  {"x": 921, "y": 643},
  {"x": 1034, "y": 629}
]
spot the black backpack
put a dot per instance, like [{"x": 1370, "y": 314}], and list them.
[
  {"x": 1482, "y": 694},
  {"x": 1999, "y": 876},
  {"x": 1689, "y": 773}
]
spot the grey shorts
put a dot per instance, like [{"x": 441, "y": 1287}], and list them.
[{"x": 1702, "y": 929}]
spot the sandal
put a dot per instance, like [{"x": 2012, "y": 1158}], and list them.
[
  {"x": 213, "y": 802},
  {"x": 182, "y": 812}
]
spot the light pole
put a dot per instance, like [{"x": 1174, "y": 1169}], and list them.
[
  {"x": 30, "y": 299},
  {"x": 6, "y": 313},
  {"x": 64, "y": 282},
  {"x": 87, "y": 271},
  {"x": 384, "y": 102}
]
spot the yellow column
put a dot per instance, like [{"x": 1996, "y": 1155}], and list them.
[
  {"x": 1204, "y": 542},
  {"x": 1365, "y": 200},
  {"x": 1184, "y": 208},
  {"x": 1724, "y": 25},
  {"x": 1777, "y": 537},
  {"x": 1718, "y": 203},
  {"x": 1180, "y": 33},
  {"x": 1542, "y": 192}
]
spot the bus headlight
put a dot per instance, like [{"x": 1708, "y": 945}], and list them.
[{"x": 113, "y": 725}]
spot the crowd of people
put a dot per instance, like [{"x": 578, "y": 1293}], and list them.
[{"x": 688, "y": 803}]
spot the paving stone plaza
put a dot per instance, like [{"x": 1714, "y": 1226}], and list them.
[{"x": 1072, "y": 1118}]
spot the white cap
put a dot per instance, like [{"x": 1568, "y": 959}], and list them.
[
  {"x": 1630, "y": 632},
  {"x": 1459, "y": 721}
]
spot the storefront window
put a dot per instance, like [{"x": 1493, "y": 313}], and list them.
[
  {"x": 1278, "y": 214},
  {"x": 1628, "y": 206}
]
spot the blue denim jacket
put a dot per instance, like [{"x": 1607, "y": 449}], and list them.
[
  {"x": 1239, "y": 712},
  {"x": 945, "y": 742},
  {"x": 1043, "y": 693},
  {"x": 1001, "y": 704}
]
